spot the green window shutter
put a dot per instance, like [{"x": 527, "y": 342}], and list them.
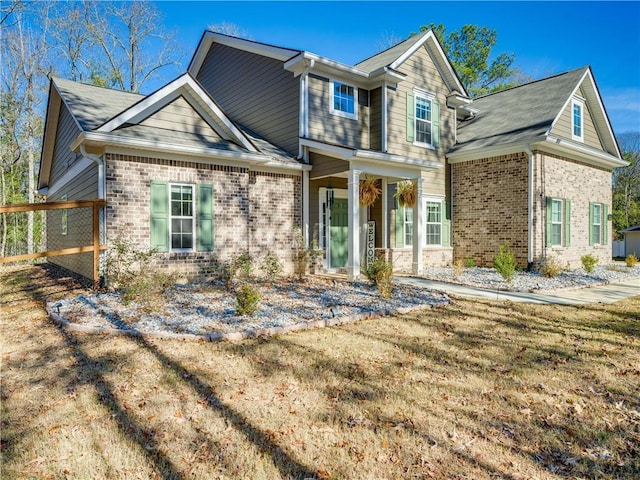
[
  {"x": 205, "y": 218},
  {"x": 590, "y": 223},
  {"x": 445, "y": 231},
  {"x": 548, "y": 222},
  {"x": 399, "y": 225},
  {"x": 605, "y": 224},
  {"x": 411, "y": 113},
  {"x": 159, "y": 216},
  {"x": 435, "y": 123},
  {"x": 567, "y": 223}
]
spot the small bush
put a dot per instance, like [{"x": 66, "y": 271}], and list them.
[
  {"x": 551, "y": 268},
  {"x": 588, "y": 262},
  {"x": 271, "y": 267},
  {"x": 243, "y": 264},
  {"x": 124, "y": 262},
  {"x": 631, "y": 260},
  {"x": 381, "y": 272},
  {"x": 147, "y": 288},
  {"x": 469, "y": 262},
  {"x": 247, "y": 300},
  {"x": 505, "y": 262}
]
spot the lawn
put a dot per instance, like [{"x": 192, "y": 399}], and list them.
[{"x": 473, "y": 390}]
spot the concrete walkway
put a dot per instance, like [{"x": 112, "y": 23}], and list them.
[{"x": 599, "y": 294}]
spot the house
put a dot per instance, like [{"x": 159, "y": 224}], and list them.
[
  {"x": 631, "y": 240},
  {"x": 256, "y": 140}
]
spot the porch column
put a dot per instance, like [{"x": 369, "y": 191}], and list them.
[
  {"x": 418, "y": 230},
  {"x": 353, "y": 203},
  {"x": 385, "y": 215}
]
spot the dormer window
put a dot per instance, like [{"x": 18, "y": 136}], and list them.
[
  {"x": 577, "y": 119},
  {"x": 344, "y": 98}
]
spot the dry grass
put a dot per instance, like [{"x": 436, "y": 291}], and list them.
[{"x": 475, "y": 390}]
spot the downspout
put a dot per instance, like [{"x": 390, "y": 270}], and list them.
[
  {"x": 101, "y": 177},
  {"x": 527, "y": 149}
]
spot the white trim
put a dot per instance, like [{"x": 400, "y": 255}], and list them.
[
  {"x": 431, "y": 198},
  {"x": 600, "y": 224},
  {"x": 582, "y": 152},
  {"x": 80, "y": 166},
  {"x": 561, "y": 223},
  {"x": 341, "y": 113},
  {"x": 194, "y": 213},
  {"x": 579, "y": 103},
  {"x": 384, "y": 117}
]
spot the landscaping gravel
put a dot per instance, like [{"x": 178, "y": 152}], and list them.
[{"x": 489, "y": 278}]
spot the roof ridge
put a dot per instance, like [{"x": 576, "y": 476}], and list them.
[
  {"x": 411, "y": 37},
  {"x": 532, "y": 82}
]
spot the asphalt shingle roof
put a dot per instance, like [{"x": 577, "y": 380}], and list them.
[
  {"x": 388, "y": 56},
  {"x": 517, "y": 114}
]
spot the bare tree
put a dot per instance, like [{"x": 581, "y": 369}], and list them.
[{"x": 231, "y": 29}]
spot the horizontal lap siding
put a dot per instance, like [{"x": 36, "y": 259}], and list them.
[
  {"x": 179, "y": 116},
  {"x": 325, "y": 126},
  {"x": 563, "y": 127},
  {"x": 375, "y": 128},
  {"x": 63, "y": 157},
  {"x": 421, "y": 73},
  {"x": 323, "y": 165},
  {"x": 254, "y": 91}
]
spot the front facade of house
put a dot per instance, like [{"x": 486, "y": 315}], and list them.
[{"x": 256, "y": 141}]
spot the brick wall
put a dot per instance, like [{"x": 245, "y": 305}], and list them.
[
  {"x": 402, "y": 258},
  {"x": 490, "y": 207},
  {"x": 252, "y": 211},
  {"x": 563, "y": 178}
]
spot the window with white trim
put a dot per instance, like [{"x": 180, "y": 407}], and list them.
[
  {"x": 408, "y": 226},
  {"x": 182, "y": 218},
  {"x": 556, "y": 222},
  {"x": 424, "y": 134},
  {"x": 596, "y": 224},
  {"x": 433, "y": 223},
  {"x": 577, "y": 120},
  {"x": 344, "y": 99}
]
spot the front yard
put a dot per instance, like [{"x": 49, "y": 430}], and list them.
[{"x": 474, "y": 389}]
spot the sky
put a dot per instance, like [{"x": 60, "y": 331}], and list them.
[{"x": 547, "y": 38}]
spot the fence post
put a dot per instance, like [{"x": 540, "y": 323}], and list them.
[{"x": 96, "y": 244}]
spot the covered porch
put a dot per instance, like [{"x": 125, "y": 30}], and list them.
[{"x": 350, "y": 234}]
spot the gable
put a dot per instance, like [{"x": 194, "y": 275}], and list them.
[{"x": 563, "y": 124}]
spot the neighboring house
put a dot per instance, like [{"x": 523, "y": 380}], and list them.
[
  {"x": 632, "y": 241},
  {"x": 273, "y": 138}
]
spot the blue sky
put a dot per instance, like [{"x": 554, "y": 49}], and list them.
[{"x": 546, "y": 37}]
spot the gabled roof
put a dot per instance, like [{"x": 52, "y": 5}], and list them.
[{"x": 526, "y": 114}]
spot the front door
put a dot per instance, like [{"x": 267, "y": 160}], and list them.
[{"x": 338, "y": 233}]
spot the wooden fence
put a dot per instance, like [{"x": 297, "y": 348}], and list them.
[{"x": 95, "y": 247}]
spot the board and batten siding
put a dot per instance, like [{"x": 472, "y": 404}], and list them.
[
  {"x": 327, "y": 127},
  {"x": 63, "y": 157},
  {"x": 563, "y": 126},
  {"x": 179, "y": 116},
  {"x": 421, "y": 72},
  {"x": 266, "y": 100}
]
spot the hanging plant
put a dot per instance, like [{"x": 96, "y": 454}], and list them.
[
  {"x": 406, "y": 193},
  {"x": 369, "y": 191}
]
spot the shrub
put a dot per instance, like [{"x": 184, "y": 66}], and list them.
[
  {"x": 458, "y": 267},
  {"x": 588, "y": 262},
  {"x": 271, "y": 267},
  {"x": 124, "y": 262},
  {"x": 505, "y": 262},
  {"x": 469, "y": 262},
  {"x": 247, "y": 300},
  {"x": 551, "y": 268},
  {"x": 148, "y": 288},
  {"x": 381, "y": 272},
  {"x": 631, "y": 260},
  {"x": 239, "y": 266}
]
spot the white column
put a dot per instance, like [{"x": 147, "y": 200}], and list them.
[
  {"x": 418, "y": 230},
  {"x": 385, "y": 215},
  {"x": 305, "y": 208},
  {"x": 353, "y": 204}
]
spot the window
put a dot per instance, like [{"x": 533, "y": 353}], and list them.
[
  {"x": 434, "y": 223},
  {"x": 598, "y": 224},
  {"x": 408, "y": 226},
  {"x": 577, "y": 120},
  {"x": 556, "y": 222},
  {"x": 558, "y": 214},
  {"x": 182, "y": 219},
  {"x": 423, "y": 119},
  {"x": 344, "y": 98}
]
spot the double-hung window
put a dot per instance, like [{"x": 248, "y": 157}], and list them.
[
  {"x": 344, "y": 99},
  {"x": 433, "y": 223},
  {"x": 423, "y": 119},
  {"x": 598, "y": 224},
  {"x": 558, "y": 214},
  {"x": 556, "y": 222},
  {"x": 182, "y": 217},
  {"x": 577, "y": 119},
  {"x": 408, "y": 226}
]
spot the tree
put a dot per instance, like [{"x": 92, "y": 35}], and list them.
[
  {"x": 228, "y": 28},
  {"x": 468, "y": 50},
  {"x": 626, "y": 184}
]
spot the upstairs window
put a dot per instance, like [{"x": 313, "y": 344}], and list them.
[
  {"x": 423, "y": 119},
  {"x": 577, "y": 120},
  {"x": 344, "y": 98}
]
